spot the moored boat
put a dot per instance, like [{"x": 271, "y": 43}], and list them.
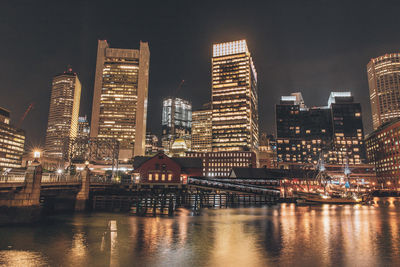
[{"x": 315, "y": 198}]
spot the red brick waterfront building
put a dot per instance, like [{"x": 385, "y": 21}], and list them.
[{"x": 161, "y": 169}]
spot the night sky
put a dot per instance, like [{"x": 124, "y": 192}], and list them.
[{"x": 310, "y": 46}]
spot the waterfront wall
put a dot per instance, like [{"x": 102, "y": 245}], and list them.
[{"x": 22, "y": 205}]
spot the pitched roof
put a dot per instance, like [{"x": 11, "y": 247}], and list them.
[
  {"x": 185, "y": 163},
  {"x": 189, "y": 162},
  {"x": 139, "y": 160}
]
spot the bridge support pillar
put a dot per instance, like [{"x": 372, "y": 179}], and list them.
[
  {"x": 82, "y": 198},
  {"x": 23, "y": 206}
]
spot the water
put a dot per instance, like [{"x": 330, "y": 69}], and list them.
[{"x": 284, "y": 235}]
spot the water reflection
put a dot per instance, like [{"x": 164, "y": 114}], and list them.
[{"x": 285, "y": 235}]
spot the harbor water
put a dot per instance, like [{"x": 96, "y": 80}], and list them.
[{"x": 281, "y": 235}]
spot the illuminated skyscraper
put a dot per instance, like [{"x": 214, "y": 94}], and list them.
[
  {"x": 176, "y": 122},
  {"x": 384, "y": 88},
  {"x": 64, "y": 111},
  {"x": 12, "y": 141},
  {"x": 120, "y": 97},
  {"x": 234, "y": 98},
  {"x": 202, "y": 130}
]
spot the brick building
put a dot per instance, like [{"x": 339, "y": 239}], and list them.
[
  {"x": 383, "y": 150},
  {"x": 161, "y": 169}
]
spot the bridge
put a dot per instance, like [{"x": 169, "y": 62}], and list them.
[{"x": 32, "y": 190}]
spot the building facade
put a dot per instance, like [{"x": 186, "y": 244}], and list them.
[
  {"x": 63, "y": 113},
  {"x": 234, "y": 98},
  {"x": 161, "y": 169},
  {"x": 12, "y": 141},
  {"x": 176, "y": 122},
  {"x": 152, "y": 146},
  {"x": 383, "y": 150},
  {"x": 332, "y": 134},
  {"x": 384, "y": 88},
  {"x": 266, "y": 156},
  {"x": 120, "y": 97},
  {"x": 83, "y": 127},
  {"x": 220, "y": 164},
  {"x": 202, "y": 130}
]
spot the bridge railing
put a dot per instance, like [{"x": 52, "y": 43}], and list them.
[
  {"x": 60, "y": 178},
  {"x": 12, "y": 178},
  {"x": 103, "y": 180}
]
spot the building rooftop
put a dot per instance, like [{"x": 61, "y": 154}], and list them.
[
  {"x": 4, "y": 112},
  {"x": 184, "y": 162},
  {"x": 265, "y": 173}
]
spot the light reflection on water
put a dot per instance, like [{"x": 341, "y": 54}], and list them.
[{"x": 285, "y": 235}]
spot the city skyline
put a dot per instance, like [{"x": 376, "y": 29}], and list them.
[{"x": 313, "y": 66}]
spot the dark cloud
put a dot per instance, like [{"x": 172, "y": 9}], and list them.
[{"x": 310, "y": 46}]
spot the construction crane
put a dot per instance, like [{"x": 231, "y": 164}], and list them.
[{"x": 21, "y": 120}]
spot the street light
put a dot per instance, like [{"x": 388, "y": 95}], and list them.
[{"x": 36, "y": 155}]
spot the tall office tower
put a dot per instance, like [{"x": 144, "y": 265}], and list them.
[
  {"x": 83, "y": 127},
  {"x": 234, "y": 98},
  {"x": 64, "y": 111},
  {"x": 333, "y": 133},
  {"x": 384, "y": 88},
  {"x": 12, "y": 141},
  {"x": 202, "y": 130},
  {"x": 120, "y": 97},
  {"x": 176, "y": 122}
]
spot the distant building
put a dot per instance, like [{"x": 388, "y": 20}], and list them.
[
  {"x": 361, "y": 177},
  {"x": 152, "y": 146},
  {"x": 12, "y": 141},
  {"x": 234, "y": 98},
  {"x": 161, "y": 169},
  {"x": 202, "y": 130},
  {"x": 83, "y": 127},
  {"x": 63, "y": 114},
  {"x": 120, "y": 97},
  {"x": 332, "y": 134},
  {"x": 219, "y": 164},
  {"x": 266, "y": 156},
  {"x": 383, "y": 150},
  {"x": 48, "y": 163},
  {"x": 176, "y": 122},
  {"x": 384, "y": 88}
]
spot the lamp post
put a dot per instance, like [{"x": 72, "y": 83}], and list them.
[{"x": 36, "y": 156}]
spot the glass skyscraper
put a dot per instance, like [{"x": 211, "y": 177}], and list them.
[{"x": 176, "y": 121}]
